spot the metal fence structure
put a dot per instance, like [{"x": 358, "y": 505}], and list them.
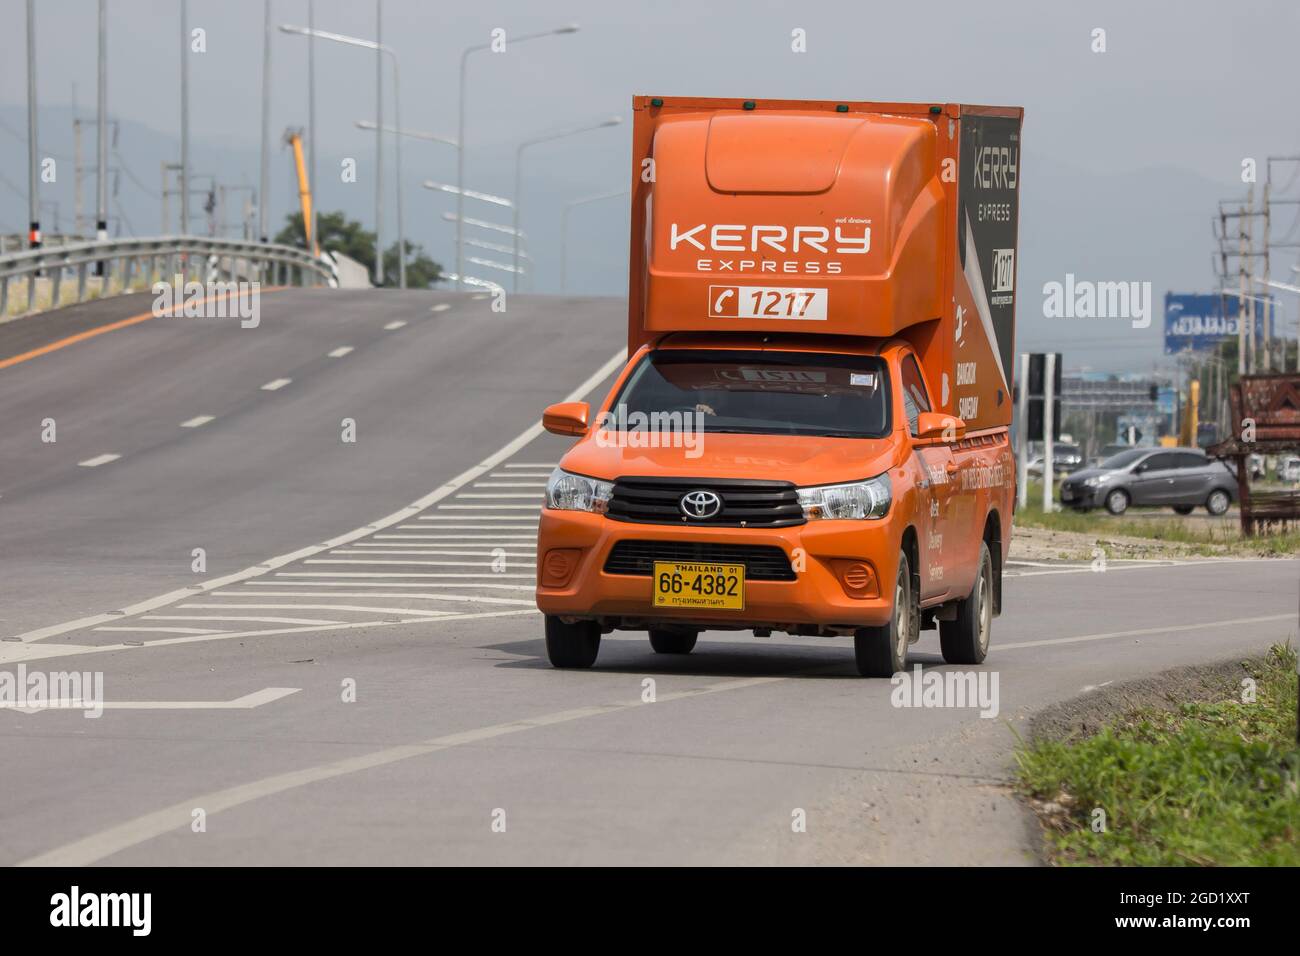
[{"x": 121, "y": 263}]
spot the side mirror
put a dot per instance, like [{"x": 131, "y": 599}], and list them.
[
  {"x": 567, "y": 418},
  {"x": 937, "y": 426},
  {"x": 1143, "y": 466}
]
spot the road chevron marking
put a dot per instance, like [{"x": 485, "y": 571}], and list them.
[
  {"x": 271, "y": 564},
  {"x": 98, "y": 846},
  {"x": 257, "y": 698}
]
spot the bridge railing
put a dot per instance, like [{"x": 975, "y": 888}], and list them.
[{"x": 116, "y": 266}]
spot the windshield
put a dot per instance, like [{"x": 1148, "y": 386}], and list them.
[
  {"x": 757, "y": 393},
  {"x": 1124, "y": 458}
]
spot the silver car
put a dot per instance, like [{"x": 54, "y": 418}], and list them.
[{"x": 1179, "y": 478}]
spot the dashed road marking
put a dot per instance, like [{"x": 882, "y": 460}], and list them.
[
  {"x": 395, "y": 324},
  {"x": 341, "y": 351},
  {"x": 276, "y": 384},
  {"x": 98, "y": 460},
  {"x": 197, "y": 420}
]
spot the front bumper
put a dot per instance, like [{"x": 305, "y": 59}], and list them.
[
  {"x": 1081, "y": 496},
  {"x": 817, "y": 599}
]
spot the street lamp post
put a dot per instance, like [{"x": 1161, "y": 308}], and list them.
[
  {"x": 564, "y": 230},
  {"x": 519, "y": 156},
  {"x": 397, "y": 109},
  {"x": 460, "y": 137},
  {"x": 264, "y": 192}
]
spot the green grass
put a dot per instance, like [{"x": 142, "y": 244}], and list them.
[
  {"x": 1208, "y": 538},
  {"x": 1210, "y": 783}
]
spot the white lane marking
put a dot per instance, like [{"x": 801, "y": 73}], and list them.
[
  {"x": 276, "y": 384},
  {"x": 516, "y": 518},
  {"x": 382, "y": 584},
  {"x": 1144, "y": 631},
  {"x": 395, "y": 324},
  {"x": 339, "y": 352},
  {"x": 97, "y": 846},
  {"x": 530, "y": 496},
  {"x": 532, "y": 507},
  {"x": 522, "y": 440},
  {"x": 256, "y": 699},
  {"x": 519, "y": 474},
  {"x": 436, "y": 564},
  {"x": 440, "y": 307},
  {"x": 509, "y": 484},
  {"x": 406, "y": 595},
  {"x": 457, "y": 537},
  {"x": 531, "y": 464},
  {"x": 98, "y": 460},
  {"x": 198, "y": 420},
  {"x": 215, "y": 617},
  {"x": 410, "y": 574},
  {"x": 310, "y": 607},
  {"x": 468, "y": 554},
  {"x": 163, "y": 630},
  {"x": 11, "y": 653}
]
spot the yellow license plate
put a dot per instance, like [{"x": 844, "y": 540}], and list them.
[{"x": 705, "y": 587}]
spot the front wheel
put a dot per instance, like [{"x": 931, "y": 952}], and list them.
[
  {"x": 666, "y": 641},
  {"x": 572, "y": 645},
  {"x": 966, "y": 639},
  {"x": 1117, "y": 501},
  {"x": 882, "y": 651},
  {"x": 1218, "y": 502}
]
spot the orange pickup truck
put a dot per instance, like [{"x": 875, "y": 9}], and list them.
[{"x": 811, "y": 432}]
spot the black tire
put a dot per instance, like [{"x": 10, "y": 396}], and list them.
[
  {"x": 572, "y": 645},
  {"x": 1117, "y": 501},
  {"x": 1183, "y": 509},
  {"x": 666, "y": 641},
  {"x": 882, "y": 651},
  {"x": 966, "y": 640},
  {"x": 1218, "y": 502}
]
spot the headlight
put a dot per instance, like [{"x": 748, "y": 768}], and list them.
[
  {"x": 1094, "y": 481},
  {"x": 859, "y": 499},
  {"x": 566, "y": 492}
]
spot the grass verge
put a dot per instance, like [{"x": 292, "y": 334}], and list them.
[
  {"x": 1208, "y": 783},
  {"x": 1198, "y": 538}
]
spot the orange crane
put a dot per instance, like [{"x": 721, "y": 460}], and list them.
[{"x": 293, "y": 139}]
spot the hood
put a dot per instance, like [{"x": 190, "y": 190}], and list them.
[
  {"x": 1084, "y": 473},
  {"x": 800, "y": 459}
]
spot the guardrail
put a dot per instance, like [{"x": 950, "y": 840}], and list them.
[{"x": 126, "y": 261}]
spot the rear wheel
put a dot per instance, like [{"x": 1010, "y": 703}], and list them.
[
  {"x": 1183, "y": 509},
  {"x": 572, "y": 645},
  {"x": 882, "y": 651},
  {"x": 667, "y": 641},
  {"x": 1117, "y": 501},
  {"x": 1218, "y": 502},
  {"x": 966, "y": 639}
]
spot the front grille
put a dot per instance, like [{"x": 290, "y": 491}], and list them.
[
  {"x": 762, "y": 562},
  {"x": 746, "y": 503}
]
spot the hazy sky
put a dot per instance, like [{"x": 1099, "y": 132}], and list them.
[{"x": 1191, "y": 85}]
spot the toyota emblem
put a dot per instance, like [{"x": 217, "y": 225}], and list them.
[{"x": 700, "y": 504}]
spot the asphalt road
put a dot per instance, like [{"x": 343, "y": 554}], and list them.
[{"x": 365, "y": 569}]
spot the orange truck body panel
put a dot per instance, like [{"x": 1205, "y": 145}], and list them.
[{"x": 856, "y": 229}]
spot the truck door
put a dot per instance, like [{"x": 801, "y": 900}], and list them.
[{"x": 936, "y": 489}]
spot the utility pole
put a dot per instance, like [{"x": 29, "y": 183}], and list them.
[
  {"x": 101, "y": 132},
  {"x": 33, "y": 198},
  {"x": 185, "y": 118},
  {"x": 379, "y": 145},
  {"x": 264, "y": 190}
]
